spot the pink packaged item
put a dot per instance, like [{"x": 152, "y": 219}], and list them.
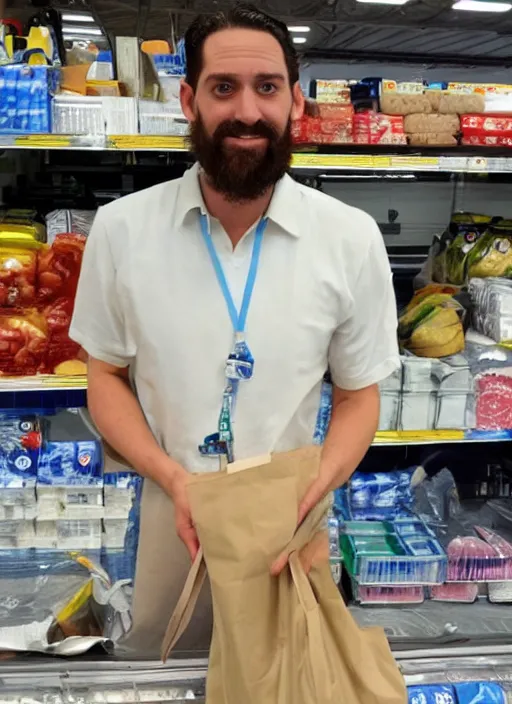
[
  {"x": 494, "y": 402},
  {"x": 461, "y": 592},
  {"x": 389, "y": 595},
  {"x": 471, "y": 559}
]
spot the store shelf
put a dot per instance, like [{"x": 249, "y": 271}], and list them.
[
  {"x": 437, "y": 437},
  {"x": 42, "y": 393},
  {"x": 458, "y": 160}
]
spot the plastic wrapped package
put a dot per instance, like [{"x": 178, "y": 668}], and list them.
[
  {"x": 455, "y": 393},
  {"x": 410, "y": 558},
  {"x": 449, "y": 124},
  {"x": 492, "y": 301},
  {"x": 492, "y": 253},
  {"x": 380, "y": 496},
  {"x": 456, "y": 243},
  {"x": 432, "y": 139},
  {"x": 20, "y": 442},
  {"x": 432, "y": 694},
  {"x": 63, "y": 221},
  {"x": 480, "y": 692},
  {"x": 500, "y": 592},
  {"x": 23, "y": 338},
  {"x": 59, "y": 267},
  {"x": 63, "y": 355},
  {"x": 418, "y": 402},
  {"x": 371, "y": 127},
  {"x": 493, "y": 401},
  {"x": 404, "y": 104},
  {"x": 432, "y": 326},
  {"x": 455, "y": 592},
  {"x": 61, "y": 598},
  {"x": 390, "y": 398},
  {"x": 461, "y": 104},
  {"x": 18, "y": 266},
  {"x": 388, "y": 595}
]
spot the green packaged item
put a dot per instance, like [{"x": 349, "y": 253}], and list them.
[
  {"x": 492, "y": 253},
  {"x": 461, "y": 237}
]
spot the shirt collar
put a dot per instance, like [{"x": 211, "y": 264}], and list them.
[{"x": 284, "y": 208}]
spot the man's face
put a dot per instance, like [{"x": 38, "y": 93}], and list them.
[{"x": 240, "y": 112}]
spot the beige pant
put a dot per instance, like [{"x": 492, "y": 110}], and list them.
[{"x": 162, "y": 567}]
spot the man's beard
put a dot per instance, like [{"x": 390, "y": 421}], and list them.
[{"x": 241, "y": 174}]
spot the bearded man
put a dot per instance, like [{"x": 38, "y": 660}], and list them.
[{"x": 232, "y": 283}]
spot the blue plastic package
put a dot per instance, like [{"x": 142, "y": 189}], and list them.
[
  {"x": 25, "y": 98},
  {"x": 480, "y": 693},
  {"x": 71, "y": 454},
  {"x": 378, "y": 496},
  {"x": 20, "y": 446},
  {"x": 432, "y": 694}
]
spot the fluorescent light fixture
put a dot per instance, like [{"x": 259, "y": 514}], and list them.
[
  {"x": 298, "y": 28},
  {"x": 299, "y": 40},
  {"x": 85, "y": 31},
  {"x": 71, "y": 17},
  {"x": 384, "y": 2},
  {"x": 482, "y": 6}
]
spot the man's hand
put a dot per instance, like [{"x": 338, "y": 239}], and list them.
[{"x": 183, "y": 518}]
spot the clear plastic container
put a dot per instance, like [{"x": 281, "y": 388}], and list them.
[{"x": 391, "y": 596}]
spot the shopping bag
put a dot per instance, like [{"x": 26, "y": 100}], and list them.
[{"x": 277, "y": 640}]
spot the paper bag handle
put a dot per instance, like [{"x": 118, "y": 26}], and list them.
[
  {"x": 185, "y": 606},
  {"x": 316, "y": 645}
]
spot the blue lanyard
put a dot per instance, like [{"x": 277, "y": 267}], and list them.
[{"x": 238, "y": 319}]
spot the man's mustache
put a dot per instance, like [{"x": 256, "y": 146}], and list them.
[{"x": 237, "y": 128}]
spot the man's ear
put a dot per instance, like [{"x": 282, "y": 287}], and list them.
[
  {"x": 187, "y": 100},
  {"x": 298, "y": 102}
]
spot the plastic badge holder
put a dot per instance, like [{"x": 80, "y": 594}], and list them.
[{"x": 407, "y": 558}]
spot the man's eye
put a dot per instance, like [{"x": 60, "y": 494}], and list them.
[
  {"x": 223, "y": 88},
  {"x": 267, "y": 88}
]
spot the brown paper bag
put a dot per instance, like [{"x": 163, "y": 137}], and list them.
[{"x": 277, "y": 640}]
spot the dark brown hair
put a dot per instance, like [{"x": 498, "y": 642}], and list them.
[{"x": 241, "y": 15}]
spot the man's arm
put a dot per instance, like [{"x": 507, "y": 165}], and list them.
[
  {"x": 354, "y": 422},
  {"x": 120, "y": 420}
]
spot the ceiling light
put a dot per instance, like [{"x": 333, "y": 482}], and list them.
[
  {"x": 482, "y": 6},
  {"x": 384, "y": 2},
  {"x": 85, "y": 31},
  {"x": 299, "y": 40},
  {"x": 71, "y": 17},
  {"x": 298, "y": 28}
]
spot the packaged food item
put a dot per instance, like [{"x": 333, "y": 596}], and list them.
[
  {"x": 60, "y": 349},
  {"x": 388, "y": 595},
  {"x": 59, "y": 267},
  {"x": 432, "y": 123},
  {"x": 453, "y": 591},
  {"x": 333, "y": 91},
  {"x": 461, "y": 236},
  {"x": 404, "y": 104},
  {"x": 480, "y": 692},
  {"x": 432, "y": 694},
  {"x": 494, "y": 400},
  {"x": 432, "y": 139},
  {"x": 492, "y": 253},
  {"x": 461, "y": 104},
  {"x": 319, "y": 130},
  {"x": 23, "y": 338},
  {"x": 335, "y": 111},
  {"x": 28, "y": 219},
  {"x": 496, "y": 125},
  {"x": 18, "y": 264},
  {"x": 471, "y": 559},
  {"x": 486, "y": 141},
  {"x": 65, "y": 221},
  {"x": 371, "y": 127},
  {"x": 433, "y": 328}
]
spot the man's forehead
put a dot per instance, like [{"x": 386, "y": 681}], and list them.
[{"x": 233, "y": 49}]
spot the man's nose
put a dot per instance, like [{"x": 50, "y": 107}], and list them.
[{"x": 247, "y": 110}]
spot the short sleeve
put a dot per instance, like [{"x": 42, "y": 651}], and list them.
[
  {"x": 98, "y": 324},
  {"x": 364, "y": 348}
]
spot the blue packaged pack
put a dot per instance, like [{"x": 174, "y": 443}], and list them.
[
  {"x": 25, "y": 98},
  {"x": 480, "y": 693},
  {"x": 20, "y": 447},
  {"x": 376, "y": 496},
  {"x": 71, "y": 454},
  {"x": 432, "y": 694}
]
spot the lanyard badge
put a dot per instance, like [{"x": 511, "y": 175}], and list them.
[{"x": 240, "y": 362}]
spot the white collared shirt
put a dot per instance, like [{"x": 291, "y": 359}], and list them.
[{"x": 148, "y": 298}]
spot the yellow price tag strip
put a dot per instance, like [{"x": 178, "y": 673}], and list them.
[
  {"x": 402, "y": 437},
  {"x": 43, "y": 140},
  {"x": 340, "y": 161},
  {"x": 143, "y": 141}
]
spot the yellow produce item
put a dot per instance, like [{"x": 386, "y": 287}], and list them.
[
  {"x": 439, "y": 335},
  {"x": 72, "y": 367}
]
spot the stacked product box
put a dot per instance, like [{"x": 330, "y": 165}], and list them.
[
  {"x": 69, "y": 486},
  {"x": 120, "y": 525},
  {"x": 19, "y": 452}
]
